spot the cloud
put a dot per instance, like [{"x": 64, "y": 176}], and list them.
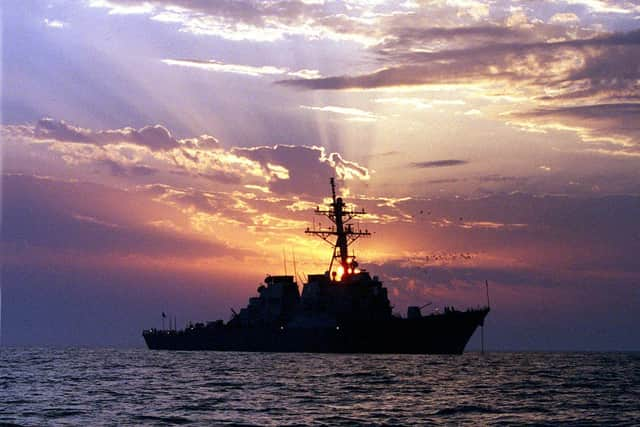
[
  {"x": 346, "y": 169},
  {"x": 308, "y": 168},
  {"x": 505, "y": 51},
  {"x": 566, "y": 77},
  {"x": 439, "y": 163},
  {"x": 405, "y": 36},
  {"x": 443, "y": 222},
  {"x": 560, "y": 18},
  {"x": 305, "y": 74},
  {"x": 605, "y": 6},
  {"x": 123, "y": 7},
  {"x": 354, "y": 114},
  {"x": 151, "y": 153},
  {"x": 419, "y": 103},
  {"x": 445, "y": 181},
  {"x": 120, "y": 170},
  {"x": 54, "y": 23},
  {"x": 48, "y": 128},
  {"x": 264, "y": 21},
  {"x": 247, "y": 70},
  {"x": 225, "y": 208},
  {"x": 225, "y": 68},
  {"x": 371, "y": 24},
  {"x": 130, "y": 152},
  {"x": 511, "y": 52},
  {"x": 155, "y": 137},
  {"x": 504, "y": 61},
  {"x": 581, "y": 235},
  {"x": 614, "y": 126},
  {"x": 41, "y": 214}
]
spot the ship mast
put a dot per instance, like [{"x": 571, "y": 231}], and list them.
[{"x": 343, "y": 231}]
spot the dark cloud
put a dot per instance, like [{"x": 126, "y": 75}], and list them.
[
  {"x": 491, "y": 61},
  {"x": 201, "y": 142},
  {"x": 445, "y": 181},
  {"x": 384, "y": 154},
  {"x": 599, "y": 121},
  {"x": 403, "y": 36},
  {"x": 48, "y": 128},
  {"x": 625, "y": 111},
  {"x": 155, "y": 137},
  {"x": 222, "y": 177},
  {"x": 546, "y": 232},
  {"x": 499, "y": 178},
  {"x": 610, "y": 74},
  {"x": 414, "y": 35},
  {"x": 495, "y": 182},
  {"x": 439, "y": 163},
  {"x": 120, "y": 170},
  {"x": 75, "y": 217}
]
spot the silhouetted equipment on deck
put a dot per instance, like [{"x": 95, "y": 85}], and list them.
[
  {"x": 414, "y": 312},
  {"x": 341, "y": 310}
]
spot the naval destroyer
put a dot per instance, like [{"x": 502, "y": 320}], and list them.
[{"x": 344, "y": 310}]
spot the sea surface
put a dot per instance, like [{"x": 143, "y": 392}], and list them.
[{"x": 142, "y": 387}]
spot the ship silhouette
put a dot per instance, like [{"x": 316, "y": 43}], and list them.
[{"x": 344, "y": 310}]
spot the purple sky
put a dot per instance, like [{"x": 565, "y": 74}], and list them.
[{"x": 161, "y": 155}]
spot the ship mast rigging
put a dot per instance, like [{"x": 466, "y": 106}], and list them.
[{"x": 344, "y": 232}]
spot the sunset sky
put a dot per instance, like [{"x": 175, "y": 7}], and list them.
[{"x": 163, "y": 155}]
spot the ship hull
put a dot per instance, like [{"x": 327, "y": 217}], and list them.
[{"x": 446, "y": 333}]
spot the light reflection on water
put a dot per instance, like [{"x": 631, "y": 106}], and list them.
[{"x": 108, "y": 386}]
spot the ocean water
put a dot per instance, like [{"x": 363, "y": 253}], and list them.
[{"x": 142, "y": 387}]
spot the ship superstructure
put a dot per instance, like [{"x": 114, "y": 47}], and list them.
[{"x": 341, "y": 310}]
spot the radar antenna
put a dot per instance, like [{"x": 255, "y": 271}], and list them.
[{"x": 344, "y": 232}]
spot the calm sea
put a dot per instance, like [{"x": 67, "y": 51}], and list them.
[{"x": 141, "y": 387}]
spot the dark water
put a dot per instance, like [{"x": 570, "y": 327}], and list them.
[{"x": 141, "y": 387}]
